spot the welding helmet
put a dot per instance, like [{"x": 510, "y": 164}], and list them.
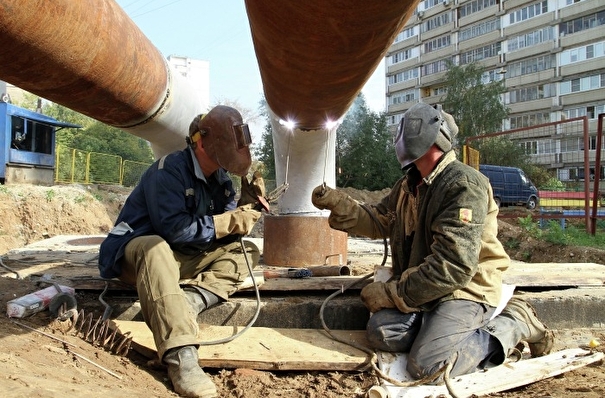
[
  {"x": 422, "y": 126},
  {"x": 225, "y": 138}
]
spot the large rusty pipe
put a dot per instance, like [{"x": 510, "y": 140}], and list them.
[
  {"x": 89, "y": 56},
  {"x": 315, "y": 56}
]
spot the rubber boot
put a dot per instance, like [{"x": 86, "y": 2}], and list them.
[
  {"x": 516, "y": 323},
  {"x": 200, "y": 299},
  {"x": 188, "y": 378}
]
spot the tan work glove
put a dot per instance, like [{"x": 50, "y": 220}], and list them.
[
  {"x": 235, "y": 222},
  {"x": 252, "y": 190},
  {"x": 379, "y": 295},
  {"x": 343, "y": 208}
]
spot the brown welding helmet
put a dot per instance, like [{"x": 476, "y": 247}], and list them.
[{"x": 225, "y": 137}]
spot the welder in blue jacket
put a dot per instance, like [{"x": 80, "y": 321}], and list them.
[{"x": 182, "y": 222}]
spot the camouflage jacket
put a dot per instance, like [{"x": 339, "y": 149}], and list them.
[{"x": 444, "y": 229}]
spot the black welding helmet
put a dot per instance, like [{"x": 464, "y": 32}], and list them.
[{"x": 421, "y": 126}]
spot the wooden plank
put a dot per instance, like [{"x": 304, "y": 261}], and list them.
[
  {"x": 499, "y": 378},
  {"x": 265, "y": 348}
]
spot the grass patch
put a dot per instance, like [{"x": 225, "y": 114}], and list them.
[{"x": 574, "y": 233}]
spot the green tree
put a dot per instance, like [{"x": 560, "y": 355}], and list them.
[
  {"x": 264, "y": 152},
  {"x": 365, "y": 155},
  {"x": 475, "y": 105}
]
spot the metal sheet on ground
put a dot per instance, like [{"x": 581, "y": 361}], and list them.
[{"x": 265, "y": 348}]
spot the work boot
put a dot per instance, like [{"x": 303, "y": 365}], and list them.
[
  {"x": 539, "y": 338},
  {"x": 188, "y": 378},
  {"x": 199, "y": 299},
  {"x": 517, "y": 323}
]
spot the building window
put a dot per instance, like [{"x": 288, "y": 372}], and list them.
[
  {"x": 531, "y": 93},
  {"x": 582, "y": 23},
  {"x": 400, "y": 56},
  {"x": 406, "y": 34},
  {"x": 530, "y": 119},
  {"x": 592, "y": 112},
  {"x": 479, "y": 29},
  {"x": 532, "y": 65},
  {"x": 437, "y": 21},
  {"x": 403, "y": 76},
  {"x": 533, "y": 10},
  {"x": 439, "y": 91},
  {"x": 395, "y": 119},
  {"x": 405, "y": 96},
  {"x": 578, "y": 54},
  {"x": 431, "y": 3},
  {"x": 437, "y": 43},
  {"x": 530, "y": 39},
  {"x": 582, "y": 84},
  {"x": 434, "y": 67},
  {"x": 478, "y": 54},
  {"x": 529, "y": 147},
  {"x": 474, "y": 6}
]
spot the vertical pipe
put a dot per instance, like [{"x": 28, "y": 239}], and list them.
[
  {"x": 305, "y": 159},
  {"x": 586, "y": 175},
  {"x": 597, "y": 171}
]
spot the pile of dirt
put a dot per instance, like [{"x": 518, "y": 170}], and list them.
[{"x": 56, "y": 363}]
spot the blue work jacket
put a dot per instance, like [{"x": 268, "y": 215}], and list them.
[{"x": 175, "y": 201}]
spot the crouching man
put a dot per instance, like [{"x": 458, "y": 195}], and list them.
[
  {"x": 447, "y": 260},
  {"x": 182, "y": 222}
]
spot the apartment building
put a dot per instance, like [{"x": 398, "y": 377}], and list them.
[{"x": 551, "y": 54}]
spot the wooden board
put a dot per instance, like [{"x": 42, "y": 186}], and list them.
[
  {"x": 500, "y": 378},
  {"x": 266, "y": 348}
]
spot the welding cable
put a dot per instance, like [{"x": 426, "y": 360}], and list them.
[
  {"x": 258, "y": 304},
  {"x": 6, "y": 267},
  {"x": 373, "y": 360}
]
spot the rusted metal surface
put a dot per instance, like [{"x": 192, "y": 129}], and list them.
[
  {"x": 315, "y": 56},
  {"x": 87, "y": 55},
  {"x": 300, "y": 241}
]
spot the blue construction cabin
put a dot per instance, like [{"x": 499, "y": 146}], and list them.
[{"x": 27, "y": 140}]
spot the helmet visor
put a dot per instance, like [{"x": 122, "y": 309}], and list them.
[{"x": 409, "y": 128}]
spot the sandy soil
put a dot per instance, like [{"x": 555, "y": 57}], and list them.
[{"x": 49, "y": 362}]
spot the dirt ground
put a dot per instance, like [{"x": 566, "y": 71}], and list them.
[{"x": 51, "y": 363}]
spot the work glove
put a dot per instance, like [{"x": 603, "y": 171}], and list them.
[
  {"x": 235, "y": 222},
  {"x": 379, "y": 295},
  {"x": 252, "y": 190},
  {"x": 343, "y": 208}
]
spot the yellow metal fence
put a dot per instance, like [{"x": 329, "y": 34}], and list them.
[{"x": 77, "y": 166}]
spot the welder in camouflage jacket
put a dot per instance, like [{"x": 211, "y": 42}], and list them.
[{"x": 447, "y": 261}]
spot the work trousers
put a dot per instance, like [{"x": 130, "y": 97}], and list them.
[
  {"x": 453, "y": 328},
  {"x": 157, "y": 272}
]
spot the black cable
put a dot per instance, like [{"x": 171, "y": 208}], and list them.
[{"x": 258, "y": 304}]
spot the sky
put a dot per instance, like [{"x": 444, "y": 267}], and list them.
[{"x": 219, "y": 32}]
